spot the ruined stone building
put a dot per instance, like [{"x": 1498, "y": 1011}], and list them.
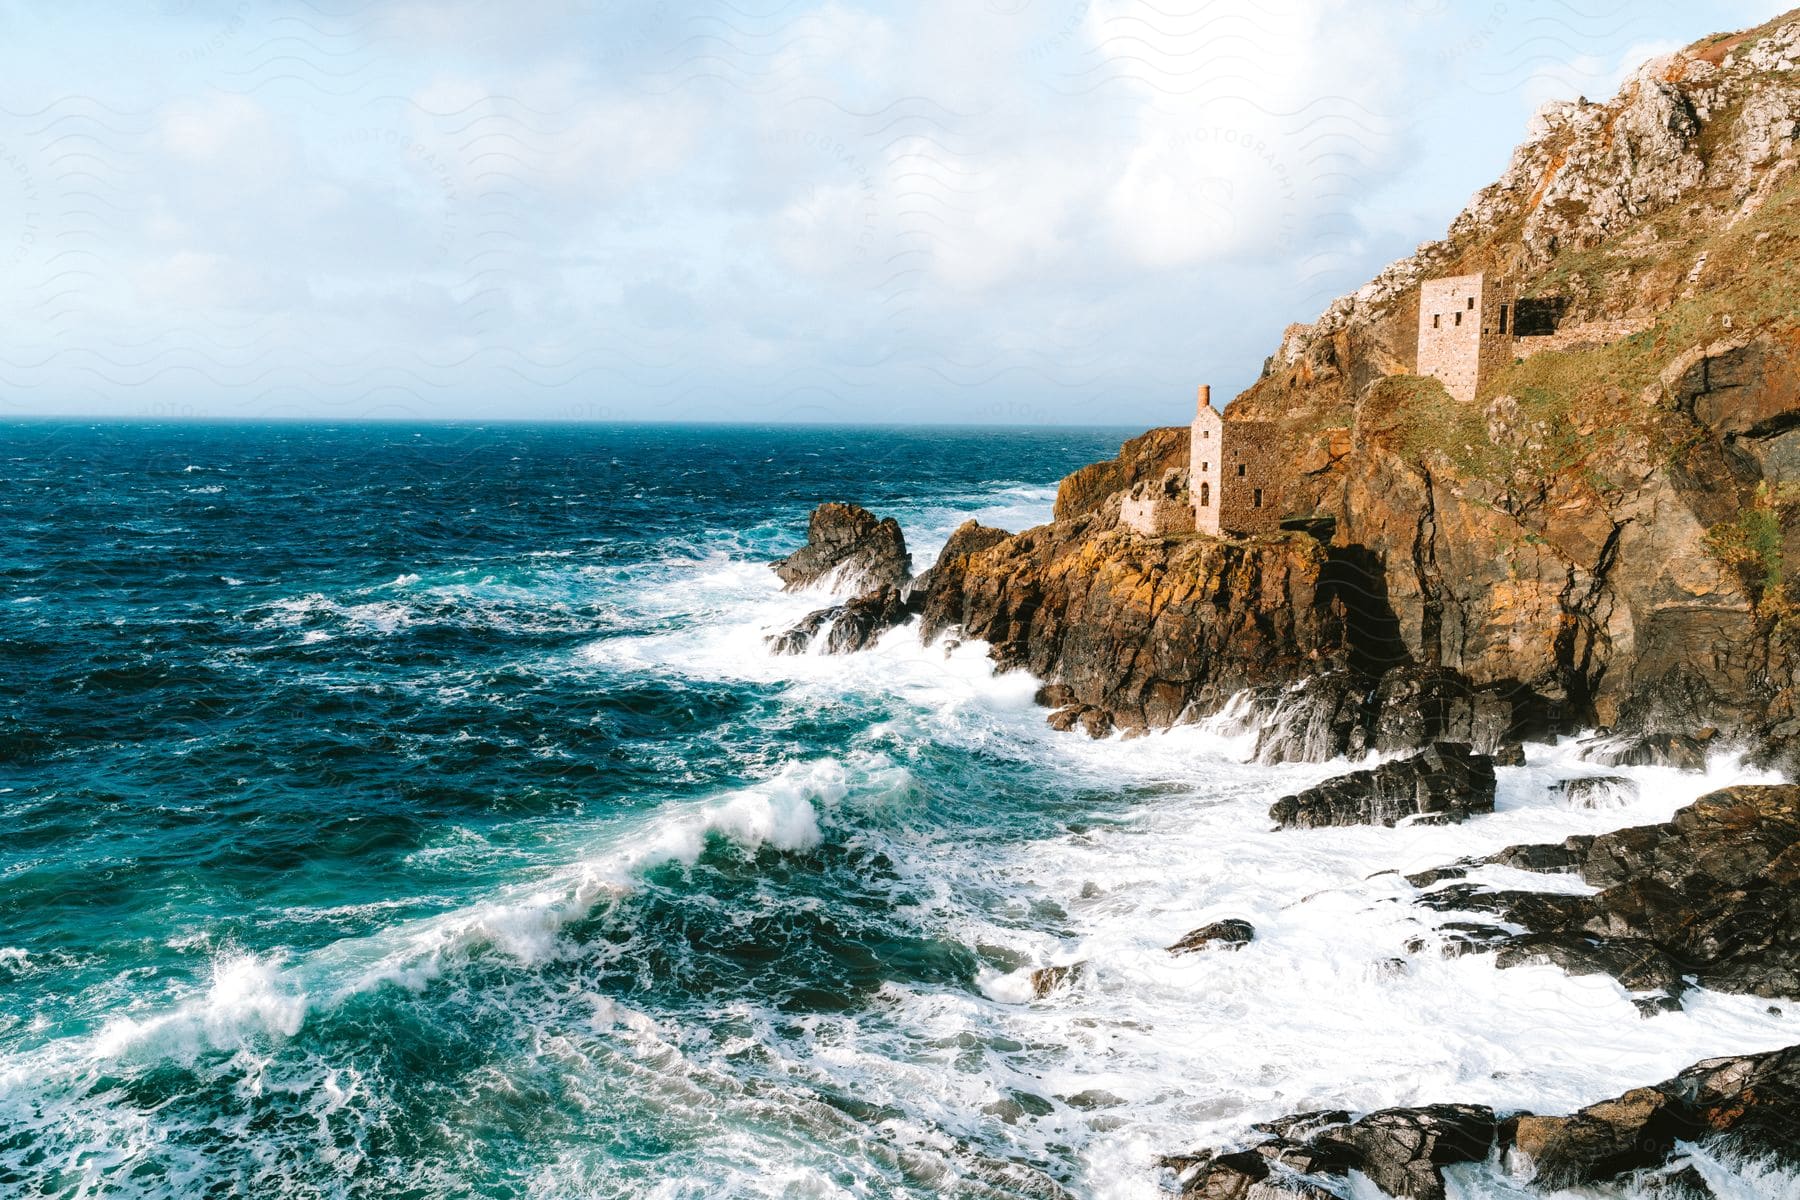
[
  {"x": 1232, "y": 484},
  {"x": 1234, "y": 473},
  {"x": 1465, "y": 331}
]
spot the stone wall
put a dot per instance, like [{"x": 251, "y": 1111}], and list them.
[
  {"x": 1465, "y": 331},
  {"x": 1583, "y": 335},
  {"x": 1249, "y": 499},
  {"x": 1159, "y": 509}
]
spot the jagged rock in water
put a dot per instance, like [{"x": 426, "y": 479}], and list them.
[
  {"x": 940, "y": 586},
  {"x": 1447, "y": 782},
  {"x": 1648, "y": 750},
  {"x": 1568, "y": 856},
  {"x": 848, "y": 549},
  {"x": 1595, "y": 791},
  {"x": 1753, "y": 1100},
  {"x": 1713, "y": 893},
  {"x": 1404, "y": 1150},
  {"x": 1046, "y": 980},
  {"x": 798, "y": 637},
  {"x": 1748, "y": 1104},
  {"x": 1093, "y": 720},
  {"x": 1344, "y": 713},
  {"x": 851, "y": 626},
  {"x": 1243, "y": 1175},
  {"x": 1637, "y": 964},
  {"x": 1228, "y": 934}
]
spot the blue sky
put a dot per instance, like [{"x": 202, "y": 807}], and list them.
[{"x": 991, "y": 211}]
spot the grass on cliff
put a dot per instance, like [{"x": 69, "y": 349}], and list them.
[{"x": 1575, "y": 403}]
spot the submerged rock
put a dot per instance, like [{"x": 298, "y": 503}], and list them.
[
  {"x": 848, "y": 549},
  {"x": 1683, "y": 751},
  {"x": 1597, "y": 791},
  {"x": 1046, "y": 980},
  {"x": 1447, "y": 782},
  {"x": 848, "y": 627},
  {"x": 1229, "y": 934}
]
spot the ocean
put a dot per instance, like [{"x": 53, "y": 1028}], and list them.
[{"x": 416, "y": 811}]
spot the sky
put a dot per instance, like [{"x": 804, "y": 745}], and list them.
[{"x": 970, "y": 211}]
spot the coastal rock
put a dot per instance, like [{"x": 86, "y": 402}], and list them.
[
  {"x": 941, "y": 586},
  {"x": 1149, "y": 456},
  {"x": 1683, "y": 751},
  {"x": 1447, "y": 782},
  {"x": 1046, "y": 980},
  {"x": 1751, "y": 1100},
  {"x": 1229, "y": 934},
  {"x": 848, "y": 549},
  {"x": 1595, "y": 791},
  {"x": 1746, "y": 1104},
  {"x": 1713, "y": 893},
  {"x": 1403, "y": 1150},
  {"x": 848, "y": 627}
]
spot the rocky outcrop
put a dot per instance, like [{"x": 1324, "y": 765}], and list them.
[
  {"x": 1045, "y": 980},
  {"x": 941, "y": 587},
  {"x": 1228, "y": 934},
  {"x": 1749, "y": 1104},
  {"x": 853, "y": 625},
  {"x": 848, "y": 550},
  {"x": 1712, "y": 895},
  {"x": 1145, "y": 458},
  {"x": 1138, "y": 629},
  {"x": 1751, "y": 1101},
  {"x": 1447, "y": 782}
]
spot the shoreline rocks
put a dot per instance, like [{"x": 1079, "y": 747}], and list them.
[
  {"x": 1713, "y": 894},
  {"x": 1748, "y": 1104},
  {"x": 1229, "y": 934},
  {"x": 1446, "y": 782},
  {"x": 848, "y": 549}
]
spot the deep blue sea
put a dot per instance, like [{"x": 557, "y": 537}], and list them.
[{"x": 415, "y": 811}]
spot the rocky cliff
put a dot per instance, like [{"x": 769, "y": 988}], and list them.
[{"x": 1601, "y": 539}]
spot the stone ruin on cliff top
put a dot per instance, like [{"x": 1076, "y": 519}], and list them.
[
  {"x": 1232, "y": 485},
  {"x": 1233, "y": 482}
]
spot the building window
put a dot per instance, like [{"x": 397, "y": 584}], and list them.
[
  {"x": 1503, "y": 318},
  {"x": 1471, "y": 304},
  {"x": 1206, "y": 433},
  {"x": 1256, "y": 498},
  {"x": 1206, "y": 495},
  {"x": 1437, "y": 320},
  {"x": 1459, "y": 318},
  {"x": 1205, "y": 467},
  {"x": 1240, "y": 470}
]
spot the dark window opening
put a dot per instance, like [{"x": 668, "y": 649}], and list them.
[
  {"x": 1437, "y": 320},
  {"x": 1471, "y": 304},
  {"x": 1205, "y": 467},
  {"x": 1240, "y": 470},
  {"x": 1503, "y": 309},
  {"x": 1206, "y": 433},
  {"x": 1206, "y": 495},
  {"x": 1459, "y": 318},
  {"x": 1256, "y": 500}
]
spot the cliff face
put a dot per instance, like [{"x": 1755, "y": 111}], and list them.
[{"x": 1602, "y": 537}]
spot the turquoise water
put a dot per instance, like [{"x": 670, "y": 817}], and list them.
[{"x": 415, "y": 811}]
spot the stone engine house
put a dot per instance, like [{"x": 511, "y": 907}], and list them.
[
  {"x": 1234, "y": 473},
  {"x": 1465, "y": 331}
]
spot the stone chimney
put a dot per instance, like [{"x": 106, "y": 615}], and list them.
[{"x": 1205, "y": 397}]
